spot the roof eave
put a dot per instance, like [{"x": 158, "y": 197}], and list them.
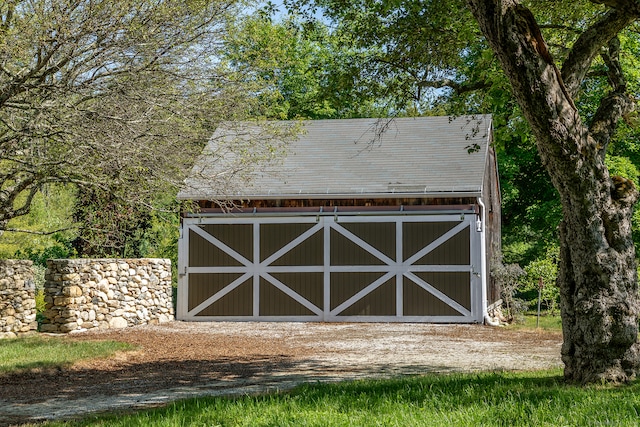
[{"x": 395, "y": 195}]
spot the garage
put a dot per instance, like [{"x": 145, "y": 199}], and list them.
[{"x": 365, "y": 220}]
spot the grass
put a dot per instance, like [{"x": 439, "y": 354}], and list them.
[
  {"x": 41, "y": 352},
  {"x": 547, "y": 323},
  {"x": 484, "y": 399}
]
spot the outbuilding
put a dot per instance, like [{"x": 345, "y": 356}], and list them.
[{"x": 376, "y": 220}]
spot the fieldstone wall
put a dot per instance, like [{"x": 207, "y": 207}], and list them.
[
  {"x": 82, "y": 294},
  {"x": 17, "y": 298}
]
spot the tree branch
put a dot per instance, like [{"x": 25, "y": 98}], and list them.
[
  {"x": 25, "y": 208},
  {"x": 457, "y": 87},
  {"x": 611, "y": 58},
  {"x": 616, "y": 104},
  {"x": 589, "y": 45},
  {"x": 515, "y": 37},
  {"x": 629, "y": 6},
  {"x": 39, "y": 233}
]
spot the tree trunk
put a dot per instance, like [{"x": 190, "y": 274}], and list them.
[
  {"x": 597, "y": 275},
  {"x": 599, "y": 305}
]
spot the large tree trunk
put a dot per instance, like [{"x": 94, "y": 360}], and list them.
[
  {"x": 598, "y": 283},
  {"x": 599, "y": 304}
]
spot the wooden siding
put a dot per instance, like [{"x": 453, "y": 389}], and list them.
[
  {"x": 493, "y": 203},
  {"x": 329, "y": 204}
]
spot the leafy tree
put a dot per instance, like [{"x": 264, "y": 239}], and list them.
[
  {"x": 306, "y": 71},
  {"x": 565, "y": 70},
  {"x": 508, "y": 278},
  {"x": 114, "y": 97},
  {"x": 543, "y": 271},
  {"x": 60, "y": 249},
  {"x": 530, "y": 205},
  {"x": 597, "y": 276}
]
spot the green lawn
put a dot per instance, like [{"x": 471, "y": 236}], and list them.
[
  {"x": 546, "y": 323},
  {"x": 486, "y": 399},
  {"x": 49, "y": 352}
]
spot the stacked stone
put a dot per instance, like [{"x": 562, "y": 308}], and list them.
[
  {"x": 17, "y": 298},
  {"x": 83, "y": 294}
]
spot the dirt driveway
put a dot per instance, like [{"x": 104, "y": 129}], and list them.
[{"x": 180, "y": 360}]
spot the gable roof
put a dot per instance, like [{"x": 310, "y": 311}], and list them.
[{"x": 402, "y": 157}]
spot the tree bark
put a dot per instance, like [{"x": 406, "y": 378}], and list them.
[{"x": 597, "y": 274}]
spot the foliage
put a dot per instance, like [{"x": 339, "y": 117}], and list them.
[
  {"x": 434, "y": 53},
  {"x": 543, "y": 272},
  {"x": 507, "y": 278},
  {"x": 59, "y": 249},
  {"x": 109, "y": 226},
  {"x": 117, "y": 97},
  {"x": 47, "y": 352},
  {"x": 39, "y": 272},
  {"x": 403, "y": 43},
  {"x": 531, "y": 209},
  {"x": 162, "y": 237},
  {"x": 475, "y": 399},
  {"x": 305, "y": 70},
  {"x": 50, "y": 211}
]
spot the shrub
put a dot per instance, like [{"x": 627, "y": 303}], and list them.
[
  {"x": 507, "y": 277},
  {"x": 61, "y": 249},
  {"x": 543, "y": 272}
]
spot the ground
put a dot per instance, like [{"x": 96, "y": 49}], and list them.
[{"x": 179, "y": 360}]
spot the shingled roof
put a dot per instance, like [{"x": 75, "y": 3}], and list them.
[{"x": 402, "y": 157}]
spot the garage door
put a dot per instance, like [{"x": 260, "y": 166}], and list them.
[{"x": 394, "y": 268}]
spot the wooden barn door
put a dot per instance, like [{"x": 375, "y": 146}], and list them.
[{"x": 399, "y": 268}]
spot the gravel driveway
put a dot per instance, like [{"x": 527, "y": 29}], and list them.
[{"x": 179, "y": 360}]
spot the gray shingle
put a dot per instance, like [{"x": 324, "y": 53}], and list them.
[{"x": 346, "y": 158}]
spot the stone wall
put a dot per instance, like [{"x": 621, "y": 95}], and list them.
[
  {"x": 17, "y": 298},
  {"x": 82, "y": 294}
]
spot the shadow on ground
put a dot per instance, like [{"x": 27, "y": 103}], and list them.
[{"x": 59, "y": 393}]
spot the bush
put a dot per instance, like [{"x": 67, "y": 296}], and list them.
[
  {"x": 507, "y": 277},
  {"x": 61, "y": 249},
  {"x": 543, "y": 273}
]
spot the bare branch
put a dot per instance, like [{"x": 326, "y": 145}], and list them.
[
  {"x": 26, "y": 205},
  {"x": 612, "y": 107},
  {"x": 39, "y": 233},
  {"x": 99, "y": 95}
]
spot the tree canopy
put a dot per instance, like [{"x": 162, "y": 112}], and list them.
[
  {"x": 306, "y": 71},
  {"x": 114, "y": 96}
]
